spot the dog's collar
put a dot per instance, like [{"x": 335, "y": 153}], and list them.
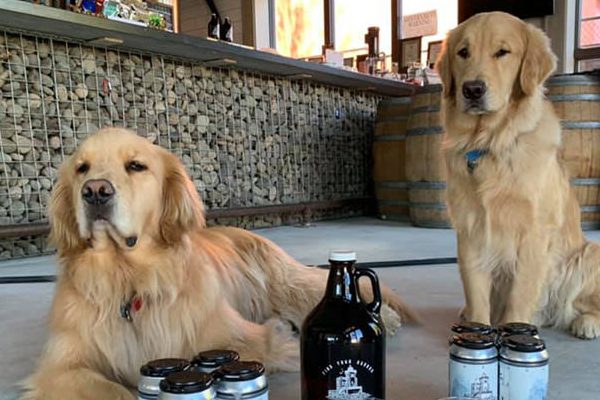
[
  {"x": 129, "y": 306},
  {"x": 472, "y": 158}
]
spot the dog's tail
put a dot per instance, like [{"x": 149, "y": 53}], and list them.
[{"x": 394, "y": 300}]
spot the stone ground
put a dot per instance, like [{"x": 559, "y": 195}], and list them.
[{"x": 416, "y": 357}]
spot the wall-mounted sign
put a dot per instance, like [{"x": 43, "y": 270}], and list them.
[{"x": 421, "y": 24}]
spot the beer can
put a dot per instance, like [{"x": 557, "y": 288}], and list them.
[
  {"x": 524, "y": 368},
  {"x": 242, "y": 380},
  {"x": 473, "y": 366},
  {"x": 154, "y": 371}
]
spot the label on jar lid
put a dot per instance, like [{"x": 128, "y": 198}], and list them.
[
  {"x": 342, "y": 255},
  {"x": 186, "y": 382},
  {"x": 164, "y": 366}
]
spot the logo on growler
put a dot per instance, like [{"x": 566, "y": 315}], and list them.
[
  {"x": 347, "y": 385},
  {"x": 343, "y": 338}
]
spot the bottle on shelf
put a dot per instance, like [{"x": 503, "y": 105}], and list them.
[
  {"x": 227, "y": 30},
  {"x": 213, "y": 27},
  {"x": 343, "y": 338}
]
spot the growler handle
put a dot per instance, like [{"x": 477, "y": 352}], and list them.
[{"x": 375, "y": 305}]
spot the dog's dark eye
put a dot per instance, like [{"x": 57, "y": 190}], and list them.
[
  {"x": 83, "y": 168},
  {"x": 463, "y": 53},
  {"x": 501, "y": 53},
  {"x": 134, "y": 166}
]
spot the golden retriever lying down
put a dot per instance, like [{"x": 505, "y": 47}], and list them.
[
  {"x": 522, "y": 254},
  {"x": 129, "y": 227}
]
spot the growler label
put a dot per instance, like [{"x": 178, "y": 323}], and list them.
[{"x": 350, "y": 372}]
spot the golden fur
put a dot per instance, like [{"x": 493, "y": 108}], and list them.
[
  {"x": 522, "y": 255},
  {"x": 201, "y": 288}
]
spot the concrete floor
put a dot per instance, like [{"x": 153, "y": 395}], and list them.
[{"x": 417, "y": 356}]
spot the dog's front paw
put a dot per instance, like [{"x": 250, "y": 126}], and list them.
[
  {"x": 586, "y": 326},
  {"x": 284, "y": 347}
]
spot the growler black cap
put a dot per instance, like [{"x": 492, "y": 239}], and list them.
[
  {"x": 523, "y": 343},
  {"x": 241, "y": 371},
  {"x": 215, "y": 358},
  {"x": 517, "y": 328},
  {"x": 475, "y": 327},
  {"x": 472, "y": 340},
  {"x": 164, "y": 366},
  {"x": 186, "y": 382}
]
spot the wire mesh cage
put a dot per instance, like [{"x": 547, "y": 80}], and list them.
[{"x": 246, "y": 139}]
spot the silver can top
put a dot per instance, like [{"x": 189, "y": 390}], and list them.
[
  {"x": 241, "y": 379},
  {"x": 187, "y": 385},
  {"x": 524, "y": 349},
  {"x": 517, "y": 328},
  {"x": 209, "y": 361},
  {"x": 473, "y": 327},
  {"x": 473, "y": 347},
  {"x": 154, "y": 371}
]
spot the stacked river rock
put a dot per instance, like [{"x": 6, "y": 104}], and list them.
[{"x": 246, "y": 139}]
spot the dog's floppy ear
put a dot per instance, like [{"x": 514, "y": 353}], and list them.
[
  {"x": 182, "y": 209},
  {"x": 64, "y": 232},
  {"x": 538, "y": 61},
  {"x": 444, "y": 69}
]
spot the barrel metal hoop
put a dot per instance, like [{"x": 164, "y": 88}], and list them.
[
  {"x": 573, "y": 80},
  {"x": 590, "y": 225},
  {"x": 388, "y": 138},
  {"x": 425, "y": 109},
  {"x": 574, "y": 97},
  {"x": 393, "y": 203},
  {"x": 426, "y": 130},
  {"x": 429, "y": 206},
  {"x": 470, "y": 361},
  {"x": 392, "y": 185},
  {"x": 585, "y": 182},
  {"x": 428, "y": 185},
  {"x": 590, "y": 208},
  {"x": 577, "y": 125}
]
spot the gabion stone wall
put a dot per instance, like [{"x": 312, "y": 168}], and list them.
[{"x": 246, "y": 139}]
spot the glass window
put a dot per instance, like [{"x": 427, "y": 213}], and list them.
[
  {"x": 589, "y": 28},
  {"x": 447, "y": 19},
  {"x": 300, "y": 27},
  {"x": 353, "y": 17}
]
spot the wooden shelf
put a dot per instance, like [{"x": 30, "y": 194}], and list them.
[{"x": 26, "y": 17}]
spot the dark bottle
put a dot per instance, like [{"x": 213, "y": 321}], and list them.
[
  {"x": 227, "y": 30},
  {"x": 213, "y": 27},
  {"x": 343, "y": 338}
]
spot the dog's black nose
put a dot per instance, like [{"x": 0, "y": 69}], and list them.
[
  {"x": 473, "y": 90},
  {"x": 97, "y": 191}
]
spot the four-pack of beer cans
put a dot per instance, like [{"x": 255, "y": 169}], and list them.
[
  {"x": 502, "y": 363},
  {"x": 211, "y": 375}
]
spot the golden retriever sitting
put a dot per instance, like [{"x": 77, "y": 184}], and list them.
[
  {"x": 142, "y": 278},
  {"x": 522, "y": 255}
]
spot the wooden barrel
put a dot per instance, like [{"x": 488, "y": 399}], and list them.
[
  {"x": 389, "y": 148},
  {"x": 425, "y": 169},
  {"x": 576, "y": 99}
]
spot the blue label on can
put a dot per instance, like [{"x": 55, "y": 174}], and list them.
[
  {"x": 478, "y": 381},
  {"x": 519, "y": 382}
]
